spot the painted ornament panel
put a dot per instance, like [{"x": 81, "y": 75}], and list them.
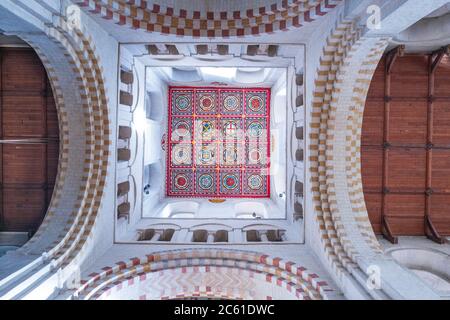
[
  {"x": 181, "y": 182},
  {"x": 256, "y": 103},
  {"x": 181, "y": 102},
  {"x": 205, "y": 182},
  {"x": 231, "y": 102},
  {"x": 218, "y": 142},
  {"x": 230, "y": 182},
  {"x": 255, "y": 182},
  {"x": 206, "y": 102}
]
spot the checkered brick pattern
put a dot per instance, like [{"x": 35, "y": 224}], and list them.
[
  {"x": 177, "y": 271},
  {"x": 279, "y": 16}
]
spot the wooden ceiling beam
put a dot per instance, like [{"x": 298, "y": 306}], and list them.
[
  {"x": 436, "y": 58},
  {"x": 387, "y": 231},
  {"x": 392, "y": 55},
  {"x": 431, "y": 231}
]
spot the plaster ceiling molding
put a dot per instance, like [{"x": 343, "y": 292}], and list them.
[
  {"x": 261, "y": 226},
  {"x": 212, "y": 57},
  {"x": 445, "y": 9},
  {"x": 167, "y": 57},
  {"x": 137, "y": 124},
  {"x": 250, "y": 69},
  {"x": 133, "y": 193},
  {"x": 250, "y": 75},
  {"x": 186, "y": 75},
  {"x": 257, "y": 58},
  {"x": 162, "y": 226},
  {"x": 180, "y": 209},
  {"x": 426, "y": 35},
  {"x": 211, "y": 227}
]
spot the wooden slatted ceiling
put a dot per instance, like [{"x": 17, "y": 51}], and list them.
[
  {"x": 27, "y": 110},
  {"x": 406, "y": 146}
]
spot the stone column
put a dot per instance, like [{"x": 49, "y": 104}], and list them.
[
  {"x": 210, "y": 238},
  {"x": 157, "y": 235}
]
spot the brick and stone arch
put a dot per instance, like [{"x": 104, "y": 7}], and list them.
[
  {"x": 346, "y": 67},
  {"x": 177, "y": 273},
  {"x": 76, "y": 79},
  {"x": 151, "y": 16},
  {"x": 349, "y": 244}
]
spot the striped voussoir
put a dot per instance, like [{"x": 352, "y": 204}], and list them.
[
  {"x": 63, "y": 147},
  {"x": 294, "y": 278},
  {"x": 355, "y": 79},
  {"x": 97, "y": 142},
  {"x": 80, "y": 54},
  {"x": 185, "y": 280},
  {"x": 337, "y": 45},
  {"x": 338, "y": 104},
  {"x": 140, "y": 14},
  {"x": 200, "y": 293}
]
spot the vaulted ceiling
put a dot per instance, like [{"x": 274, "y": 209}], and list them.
[
  {"x": 406, "y": 146},
  {"x": 29, "y": 140}
]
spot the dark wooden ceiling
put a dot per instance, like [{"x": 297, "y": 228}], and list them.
[
  {"x": 27, "y": 167},
  {"x": 406, "y": 146}
]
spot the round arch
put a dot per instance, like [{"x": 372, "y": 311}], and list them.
[
  {"x": 75, "y": 76},
  {"x": 207, "y": 272},
  {"x": 238, "y": 19}
]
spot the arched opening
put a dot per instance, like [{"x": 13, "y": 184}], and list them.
[
  {"x": 76, "y": 79},
  {"x": 29, "y": 136},
  {"x": 210, "y": 282},
  {"x": 221, "y": 236},
  {"x": 167, "y": 235},
  {"x": 185, "y": 275},
  {"x": 405, "y": 145},
  {"x": 200, "y": 236},
  {"x": 429, "y": 265}
]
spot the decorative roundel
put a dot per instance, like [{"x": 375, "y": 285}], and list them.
[
  {"x": 255, "y": 129},
  {"x": 181, "y": 181},
  {"x": 255, "y": 103},
  {"x": 230, "y": 128},
  {"x": 230, "y": 155},
  {"x": 182, "y": 128},
  {"x": 254, "y": 155},
  {"x": 205, "y": 181},
  {"x": 255, "y": 182},
  {"x": 182, "y": 103},
  {"x": 231, "y": 103},
  {"x": 207, "y": 128},
  {"x": 206, "y": 155},
  {"x": 181, "y": 154},
  {"x": 207, "y": 103},
  {"x": 230, "y": 181}
]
